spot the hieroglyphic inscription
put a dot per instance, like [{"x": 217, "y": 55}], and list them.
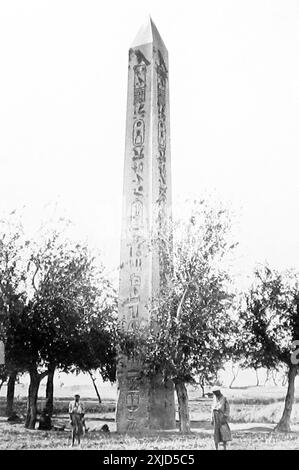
[
  {"x": 139, "y": 83},
  {"x": 136, "y": 213},
  {"x": 138, "y": 142},
  {"x": 132, "y": 403},
  {"x": 137, "y": 220},
  {"x": 132, "y": 423},
  {"x": 162, "y": 76},
  {"x": 132, "y": 400},
  {"x": 133, "y": 316},
  {"x": 138, "y": 132}
]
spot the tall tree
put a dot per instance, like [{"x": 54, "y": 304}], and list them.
[
  {"x": 54, "y": 296},
  {"x": 69, "y": 285},
  {"x": 13, "y": 251},
  {"x": 189, "y": 334},
  {"x": 269, "y": 321},
  {"x": 64, "y": 282}
]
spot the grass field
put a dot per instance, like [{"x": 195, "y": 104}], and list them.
[
  {"x": 15, "y": 436},
  {"x": 254, "y": 413}
]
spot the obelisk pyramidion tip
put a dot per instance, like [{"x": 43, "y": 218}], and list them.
[{"x": 147, "y": 34}]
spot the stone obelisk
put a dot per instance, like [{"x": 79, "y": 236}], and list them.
[{"x": 142, "y": 403}]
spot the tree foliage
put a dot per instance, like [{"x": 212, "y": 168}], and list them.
[
  {"x": 269, "y": 322},
  {"x": 269, "y": 319},
  {"x": 59, "y": 307}
]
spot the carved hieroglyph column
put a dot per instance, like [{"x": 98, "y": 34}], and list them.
[{"x": 144, "y": 404}]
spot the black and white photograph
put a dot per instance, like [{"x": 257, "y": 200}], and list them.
[{"x": 149, "y": 228}]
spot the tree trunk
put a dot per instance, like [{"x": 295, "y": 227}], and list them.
[
  {"x": 10, "y": 393},
  {"x": 235, "y": 373},
  {"x": 35, "y": 379},
  {"x": 257, "y": 378},
  {"x": 284, "y": 423},
  {"x": 182, "y": 395},
  {"x": 267, "y": 377},
  {"x": 95, "y": 386},
  {"x": 50, "y": 390},
  {"x": 284, "y": 380},
  {"x": 274, "y": 377}
]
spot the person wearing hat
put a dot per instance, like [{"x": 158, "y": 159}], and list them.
[{"x": 219, "y": 418}]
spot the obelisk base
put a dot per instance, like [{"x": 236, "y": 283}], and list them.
[
  {"x": 144, "y": 404},
  {"x": 162, "y": 404}
]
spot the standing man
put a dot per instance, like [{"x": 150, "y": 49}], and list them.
[
  {"x": 76, "y": 412},
  {"x": 219, "y": 418}
]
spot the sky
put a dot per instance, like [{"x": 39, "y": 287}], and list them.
[{"x": 234, "y": 101}]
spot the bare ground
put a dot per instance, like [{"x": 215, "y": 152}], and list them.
[{"x": 254, "y": 412}]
